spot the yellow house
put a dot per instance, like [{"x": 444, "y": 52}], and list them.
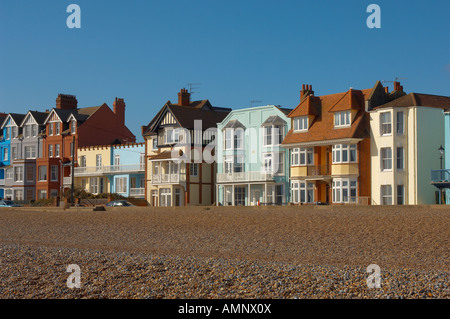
[{"x": 89, "y": 175}]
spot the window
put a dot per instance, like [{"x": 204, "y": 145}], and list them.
[
  {"x": 50, "y": 129},
  {"x": 42, "y": 194},
  {"x": 53, "y": 193},
  {"x": 34, "y": 130},
  {"x": 400, "y": 123},
  {"x": 239, "y": 139},
  {"x": 344, "y": 190},
  {"x": 228, "y": 139},
  {"x": 121, "y": 185},
  {"x": 233, "y": 164},
  {"x": 54, "y": 173},
  {"x": 302, "y": 156},
  {"x": 83, "y": 161},
  {"x": 50, "y": 150},
  {"x": 228, "y": 195},
  {"x": 30, "y": 152},
  {"x": 344, "y": 153},
  {"x": 386, "y": 194},
  {"x": 14, "y": 131},
  {"x": 5, "y": 154},
  {"x": 27, "y": 131},
  {"x": 18, "y": 174},
  {"x": 14, "y": 152},
  {"x": 301, "y": 124},
  {"x": 83, "y": 184},
  {"x": 93, "y": 183},
  {"x": 42, "y": 173},
  {"x": 18, "y": 194},
  {"x": 98, "y": 161},
  {"x": 29, "y": 176},
  {"x": 172, "y": 136},
  {"x": 194, "y": 169},
  {"x": 342, "y": 119},
  {"x": 155, "y": 144},
  {"x": 8, "y": 133},
  {"x": 385, "y": 123},
  {"x": 239, "y": 196},
  {"x": 302, "y": 192},
  {"x": 71, "y": 150},
  {"x": 73, "y": 127},
  {"x": 29, "y": 194},
  {"x": 400, "y": 158},
  {"x": 9, "y": 173},
  {"x": 273, "y": 163},
  {"x": 400, "y": 195},
  {"x": 165, "y": 197},
  {"x": 116, "y": 161},
  {"x": 57, "y": 152},
  {"x": 8, "y": 194},
  {"x": 272, "y": 135},
  {"x": 57, "y": 128},
  {"x": 386, "y": 158}
]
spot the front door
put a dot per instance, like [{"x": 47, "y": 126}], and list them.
[{"x": 256, "y": 197}]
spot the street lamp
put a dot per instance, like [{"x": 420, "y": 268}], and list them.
[{"x": 441, "y": 150}]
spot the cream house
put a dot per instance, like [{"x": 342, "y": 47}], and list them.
[{"x": 406, "y": 134}]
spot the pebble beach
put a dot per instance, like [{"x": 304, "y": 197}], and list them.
[{"x": 226, "y": 252}]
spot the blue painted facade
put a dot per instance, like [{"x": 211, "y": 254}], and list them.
[
  {"x": 5, "y": 152},
  {"x": 127, "y": 173},
  {"x": 252, "y": 167}
]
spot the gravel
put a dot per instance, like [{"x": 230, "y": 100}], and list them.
[{"x": 223, "y": 252}]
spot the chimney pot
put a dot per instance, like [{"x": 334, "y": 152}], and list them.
[{"x": 184, "y": 98}]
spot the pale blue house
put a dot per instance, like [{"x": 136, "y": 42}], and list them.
[
  {"x": 127, "y": 171},
  {"x": 252, "y": 167}
]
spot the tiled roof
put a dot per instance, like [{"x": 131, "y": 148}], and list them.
[
  {"x": 419, "y": 99},
  {"x": 162, "y": 155},
  {"x": 322, "y": 127}
]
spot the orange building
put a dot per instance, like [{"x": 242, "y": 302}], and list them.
[{"x": 329, "y": 144}]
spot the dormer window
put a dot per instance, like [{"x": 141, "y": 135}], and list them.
[
  {"x": 301, "y": 124},
  {"x": 50, "y": 129},
  {"x": 342, "y": 119},
  {"x": 57, "y": 128},
  {"x": 14, "y": 130},
  {"x": 73, "y": 127}
]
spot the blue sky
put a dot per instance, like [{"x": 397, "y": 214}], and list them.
[{"x": 239, "y": 51}]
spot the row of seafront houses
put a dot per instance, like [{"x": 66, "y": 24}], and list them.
[{"x": 367, "y": 146}]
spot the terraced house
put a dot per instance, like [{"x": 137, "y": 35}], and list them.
[
  {"x": 177, "y": 172},
  {"x": 26, "y": 148},
  {"x": 67, "y": 128},
  {"x": 11, "y": 129},
  {"x": 329, "y": 144},
  {"x": 112, "y": 169},
  {"x": 407, "y": 135},
  {"x": 253, "y": 168}
]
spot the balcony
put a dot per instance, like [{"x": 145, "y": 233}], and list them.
[
  {"x": 440, "y": 178},
  {"x": 168, "y": 178},
  {"x": 112, "y": 169},
  {"x": 245, "y": 177},
  {"x": 318, "y": 170},
  {"x": 137, "y": 192},
  {"x": 2, "y": 182}
]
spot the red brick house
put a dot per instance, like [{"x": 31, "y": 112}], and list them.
[{"x": 67, "y": 124}]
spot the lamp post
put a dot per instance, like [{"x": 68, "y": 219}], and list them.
[{"x": 441, "y": 151}]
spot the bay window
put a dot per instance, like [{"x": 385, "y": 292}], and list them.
[{"x": 344, "y": 153}]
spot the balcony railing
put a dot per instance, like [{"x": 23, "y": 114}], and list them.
[
  {"x": 137, "y": 192},
  {"x": 168, "y": 178},
  {"x": 244, "y": 177},
  {"x": 112, "y": 169},
  {"x": 2, "y": 182},
  {"x": 319, "y": 170},
  {"x": 67, "y": 180},
  {"x": 440, "y": 176}
]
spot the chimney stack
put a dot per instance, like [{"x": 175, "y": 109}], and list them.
[
  {"x": 119, "y": 111},
  {"x": 184, "y": 98},
  {"x": 306, "y": 90},
  {"x": 66, "y": 102}
]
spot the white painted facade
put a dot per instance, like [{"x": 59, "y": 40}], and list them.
[{"x": 420, "y": 138}]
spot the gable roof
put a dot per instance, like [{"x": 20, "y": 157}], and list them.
[
  {"x": 17, "y": 118},
  {"x": 419, "y": 99},
  {"x": 322, "y": 127},
  {"x": 39, "y": 117}
]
